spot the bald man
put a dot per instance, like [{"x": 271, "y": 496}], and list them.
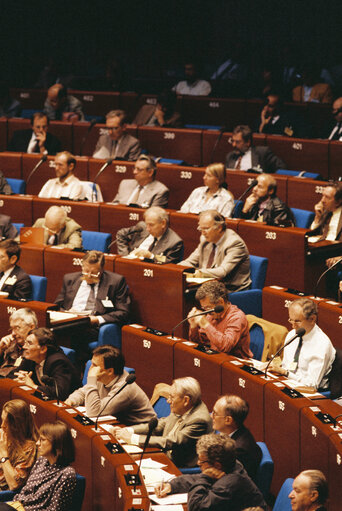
[
  {"x": 60, "y": 230},
  {"x": 334, "y": 129},
  {"x": 60, "y": 106},
  {"x": 263, "y": 204}
]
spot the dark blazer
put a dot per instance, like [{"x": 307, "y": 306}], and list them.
[
  {"x": 170, "y": 244},
  {"x": 128, "y": 147},
  {"x": 112, "y": 286},
  {"x": 58, "y": 367},
  {"x": 262, "y": 157},
  {"x": 276, "y": 212},
  {"x": 20, "y": 288},
  {"x": 321, "y": 229},
  {"x": 5, "y": 188},
  {"x": 247, "y": 450},
  {"x": 7, "y": 229},
  {"x": 21, "y": 139}
]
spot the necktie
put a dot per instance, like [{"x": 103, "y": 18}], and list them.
[
  {"x": 297, "y": 353},
  {"x": 153, "y": 244},
  {"x": 211, "y": 257},
  {"x": 114, "y": 146},
  {"x": 337, "y": 133},
  {"x": 238, "y": 163},
  {"x": 52, "y": 239},
  {"x": 36, "y": 147},
  {"x": 90, "y": 305},
  {"x": 135, "y": 198}
]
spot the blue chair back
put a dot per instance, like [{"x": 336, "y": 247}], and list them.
[
  {"x": 162, "y": 407},
  {"x": 70, "y": 353},
  {"x": 17, "y": 185},
  {"x": 238, "y": 208},
  {"x": 303, "y": 217},
  {"x": 257, "y": 341},
  {"x": 190, "y": 470},
  {"x": 18, "y": 226},
  {"x": 298, "y": 173},
  {"x": 109, "y": 333},
  {"x": 258, "y": 271},
  {"x": 93, "y": 240},
  {"x": 265, "y": 470},
  {"x": 250, "y": 301},
  {"x": 38, "y": 288},
  {"x": 283, "y": 502}
]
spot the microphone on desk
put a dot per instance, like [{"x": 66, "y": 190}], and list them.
[
  {"x": 102, "y": 169},
  {"x": 222, "y": 130},
  {"x": 322, "y": 275},
  {"x": 133, "y": 231},
  {"x": 130, "y": 378},
  {"x": 36, "y": 167},
  {"x": 152, "y": 424},
  {"x": 252, "y": 185},
  {"x": 217, "y": 309},
  {"x": 90, "y": 127},
  {"x": 299, "y": 333},
  {"x": 51, "y": 382}
]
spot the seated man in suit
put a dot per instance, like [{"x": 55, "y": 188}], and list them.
[
  {"x": 223, "y": 483},
  {"x": 179, "y": 432},
  {"x": 225, "y": 331},
  {"x": 21, "y": 321},
  {"x": 60, "y": 230},
  {"x": 143, "y": 191},
  {"x": 45, "y": 367},
  {"x": 61, "y": 106},
  {"x": 246, "y": 156},
  {"x": 163, "y": 114},
  {"x": 229, "y": 413},
  {"x": 37, "y": 139},
  {"x": 65, "y": 185},
  {"x": 221, "y": 253},
  {"x": 117, "y": 143},
  {"x": 105, "y": 377},
  {"x": 7, "y": 229},
  {"x": 152, "y": 239},
  {"x": 334, "y": 129},
  {"x": 275, "y": 119},
  {"x": 103, "y": 294},
  {"x": 263, "y": 204},
  {"x": 5, "y": 188},
  {"x": 13, "y": 280},
  {"x": 309, "y": 491}
]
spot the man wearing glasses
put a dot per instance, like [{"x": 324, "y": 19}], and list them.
[
  {"x": 308, "y": 359},
  {"x": 116, "y": 143},
  {"x": 99, "y": 294},
  {"x": 59, "y": 229},
  {"x": 221, "y": 253}
]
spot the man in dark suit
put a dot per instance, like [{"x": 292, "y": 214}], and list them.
[
  {"x": 45, "y": 367},
  {"x": 152, "y": 239},
  {"x": 229, "y": 413},
  {"x": 7, "y": 229},
  {"x": 36, "y": 140},
  {"x": 143, "y": 191},
  {"x": 245, "y": 156},
  {"x": 333, "y": 131},
  {"x": 101, "y": 294},
  {"x": 13, "y": 280}
]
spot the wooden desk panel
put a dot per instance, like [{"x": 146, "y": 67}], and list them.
[
  {"x": 7, "y": 386},
  {"x": 334, "y": 475},
  {"x": 3, "y": 134},
  {"x": 111, "y": 178},
  {"x": 181, "y": 181},
  {"x": 42, "y": 411},
  {"x": 84, "y": 213},
  {"x": 64, "y": 132},
  {"x": 304, "y": 193},
  {"x": 302, "y": 154},
  {"x": 113, "y": 218},
  {"x": 205, "y": 368},
  {"x": 16, "y": 123},
  {"x": 150, "y": 355},
  {"x": 214, "y": 111},
  {"x": 330, "y": 321},
  {"x": 335, "y": 160},
  {"x": 9, "y": 306},
  {"x": 18, "y": 207},
  {"x": 32, "y": 259},
  {"x": 97, "y": 102},
  {"x": 10, "y": 162},
  {"x": 157, "y": 292},
  {"x": 29, "y": 98},
  {"x": 172, "y": 143}
]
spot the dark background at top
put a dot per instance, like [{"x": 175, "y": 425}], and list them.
[{"x": 152, "y": 36}]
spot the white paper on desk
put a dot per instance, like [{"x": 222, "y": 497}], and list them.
[
  {"x": 59, "y": 316},
  {"x": 294, "y": 384},
  {"x": 177, "y": 498},
  {"x": 168, "y": 507},
  {"x": 132, "y": 449},
  {"x": 150, "y": 463},
  {"x": 81, "y": 409},
  {"x": 155, "y": 475},
  {"x": 103, "y": 418},
  {"x": 198, "y": 280}
]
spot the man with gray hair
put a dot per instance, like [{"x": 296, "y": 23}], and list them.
[
  {"x": 309, "y": 491},
  {"x": 309, "y": 358},
  {"x": 21, "y": 321},
  {"x": 116, "y": 143},
  {"x": 179, "y": 432},
  {"x": 151, "y": 239},
  {"x": 144, "y": 190},
  {"x": 223, "y": 483},
  {"x": 221, "y": 253},
  {"x": 59, "y": 229}
]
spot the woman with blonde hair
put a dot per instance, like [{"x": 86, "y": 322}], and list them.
[
  {"x": 18, "y": 436},
  {"x": 213, "y": 195}
]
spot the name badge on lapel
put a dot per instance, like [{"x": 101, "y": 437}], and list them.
[
  {"x": 10, "y": 281},
  {"x": 107, "y": 303}
]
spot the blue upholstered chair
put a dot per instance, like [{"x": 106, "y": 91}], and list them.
[
  {"x": 298, "y": 173},
  {"x": 17, "y": 185},
  {"x": 18, "y": 226},
  {"x": 109, "y": 333},
  {"x": 162, "y": 407},
  {"x": 283, "y": 502},
  {"x": 257, "y": 341},
  {"x": 265, "y": 470},
  {"x": 70, "y": 353},
  {"x": 303, "y": 217},
  {"x": 93, "y": 240},
  {"x": 38, "y": 288}
]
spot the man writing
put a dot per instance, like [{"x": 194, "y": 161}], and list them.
[{"x": 59, "y": 229}]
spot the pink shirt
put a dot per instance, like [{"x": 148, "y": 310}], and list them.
[{"x": 230, "y": 334}]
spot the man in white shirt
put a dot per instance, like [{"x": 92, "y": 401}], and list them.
[
  {"x": 65, "y": 185},
  {"x": 192, "y": 86},
  {"x": 308, "y": 359}
]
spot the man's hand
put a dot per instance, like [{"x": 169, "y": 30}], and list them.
[
  {"x": 24, "y": 378},
  {"x": 193, "y": 322},
  {"x": 319, "y": 210},
  {"x": 275, "y": 366},
  {"x": 162, "y": 489},
  {"x": 41, "y": 137},
  {"x": 203, "y": 322},
  {"x": 145, "y": 254},
  {"x": 160, "y": 116},
  {"x": 213, "y": 472},
  {"x": 198, "y": 274},
  {"x": 329, "y": 262},
  {"x": 94, "y": 320},
  {"x": 249, "y": 202},
  {"x": 70, "y": 402},
  {"x": 6, "y": 341},
  {"x": 124, "y": 435},
  {"x": 94, "y": 371}
]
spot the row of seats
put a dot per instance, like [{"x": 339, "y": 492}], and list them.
[{"x": 192, "y": 146}]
